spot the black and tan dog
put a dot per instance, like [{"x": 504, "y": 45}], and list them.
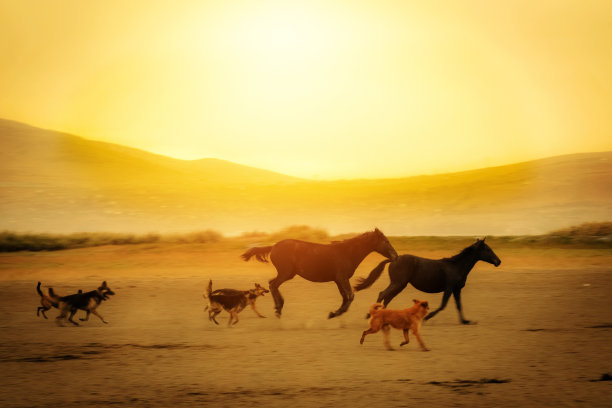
[
  {"x": 409, "y": 319},
  {"x": 88, "y": 301},
  {"x": 232, "y": 301}
]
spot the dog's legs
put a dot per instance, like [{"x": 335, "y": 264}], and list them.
[
  {"x": 95, "y": 312},
  {"x": 445, "y": 297},
  {"x": 407, "y": 339},
  {"x": 72, "y": 312},
  {"x": 255, "y": 310},
  {"x": 365, "y": 333},
  {"x": 386, "y": 331},
  {"x": 212, "y": 314},
  {"x": 86, "y": 317},
  {"x": 233, "y": 318},
  {"x": 415, "y": 330},
  {"x": 346, "y": 291},
  {"x": 42, "y": 309}
]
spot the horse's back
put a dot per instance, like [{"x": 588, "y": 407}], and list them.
[
  {"x": 427, "y": 275},
  {"x": 312, "y": 261}
]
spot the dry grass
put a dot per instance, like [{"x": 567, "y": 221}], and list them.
[{"x": 589, "y": 235}]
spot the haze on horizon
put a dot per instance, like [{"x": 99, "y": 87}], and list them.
[{"x": 326, "y": 89}]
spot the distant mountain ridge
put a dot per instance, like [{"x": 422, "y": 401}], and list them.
[
  {"x": 25, "y": 146},
  {"x": 56, "y": 182}
]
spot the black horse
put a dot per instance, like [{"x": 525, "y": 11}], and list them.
[
  {"x": 321, "y": 262},
  {"x": 446, "y": 275}
]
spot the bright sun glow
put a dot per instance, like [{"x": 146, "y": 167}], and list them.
[{"x": 316, "y": 88}]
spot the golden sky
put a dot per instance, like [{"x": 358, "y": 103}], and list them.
[{"x": 326, "y": 89}]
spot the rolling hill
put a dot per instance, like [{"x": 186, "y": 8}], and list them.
[{"x": 56, "y": 182}]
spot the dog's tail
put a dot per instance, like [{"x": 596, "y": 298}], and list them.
[
  {"x": 52, "y": 294},
  {"x": 39, "y": 291},
  {"x": 208, "y": 289},
  {"x": 206, "y": 295},
  {"x": 260, "y": 253},
  {"x": 53, "y": 298},
  {"x": 375, "y": 274},
  {"x": 375, "y": 307}
]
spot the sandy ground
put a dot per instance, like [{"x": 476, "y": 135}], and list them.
[{"x": 543, "y": 338}]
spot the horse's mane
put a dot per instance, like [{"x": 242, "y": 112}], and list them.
[
  {"x": 464, "y": 252},
  {"x": 351, "y": 240}
]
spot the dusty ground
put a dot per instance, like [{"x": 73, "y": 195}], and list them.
[{"x": 543, "y": 338}]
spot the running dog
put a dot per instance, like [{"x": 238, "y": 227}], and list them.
[
  {"x": 405, "y": 320},
  {"x": 88, "y": 301},
  {"x": 232, "y": 301}
]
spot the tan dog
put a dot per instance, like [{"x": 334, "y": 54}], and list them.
[
  {"x": 405, "y": 320},
  {"x": 232, "y": 301},
  {"x": 88, "y": 301}
]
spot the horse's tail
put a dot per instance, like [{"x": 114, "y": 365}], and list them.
[
  {"x": 260, "y": 253},
  {"x": 375, "y": 274},
  {"x": 375, "y": 307},
  {"x": 39, "y": 291}
]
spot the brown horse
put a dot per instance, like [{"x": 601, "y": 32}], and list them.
[
  {"x": 321, "y": 262},
  {"x": 446, "y": 275}
]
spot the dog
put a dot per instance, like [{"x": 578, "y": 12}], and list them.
[
  {"x": 232, "y": 301},
  {"x": 88, "y": 301},
  {"x": 405, "y": 320}
]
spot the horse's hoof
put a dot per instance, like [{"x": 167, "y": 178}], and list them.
[
  {"x": 426, "y": 349},
  {"x": 468, "y": 322},
  {"x": 331, "y": 314}
]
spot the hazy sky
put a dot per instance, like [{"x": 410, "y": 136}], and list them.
[{"x": 329, "y": 89}]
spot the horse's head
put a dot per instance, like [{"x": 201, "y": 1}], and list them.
[
  {"x": 383, "y": 246},
  {"x": 485, "y": 253}
]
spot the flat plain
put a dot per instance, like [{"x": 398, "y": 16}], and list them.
[{"x": 543, "y": 335}]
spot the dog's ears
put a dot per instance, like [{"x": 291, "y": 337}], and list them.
[
  {"x": 415, "y": 300},
  {"x": 425, "y": 304},
  {"x": 104, "y": 284}
]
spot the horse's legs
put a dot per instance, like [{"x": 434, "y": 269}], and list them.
[
  {"x": 278, "y": 298},
  {"x": 457, "y": 296},
  {"x": 346, "y": 291},
  {"x": 390, "y": 292},
  {"x": 445, "y": 298}
]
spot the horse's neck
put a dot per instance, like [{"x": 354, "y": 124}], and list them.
[
  {"x": 466, "y": 263},
  {"x": 357, "y": 252}
]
